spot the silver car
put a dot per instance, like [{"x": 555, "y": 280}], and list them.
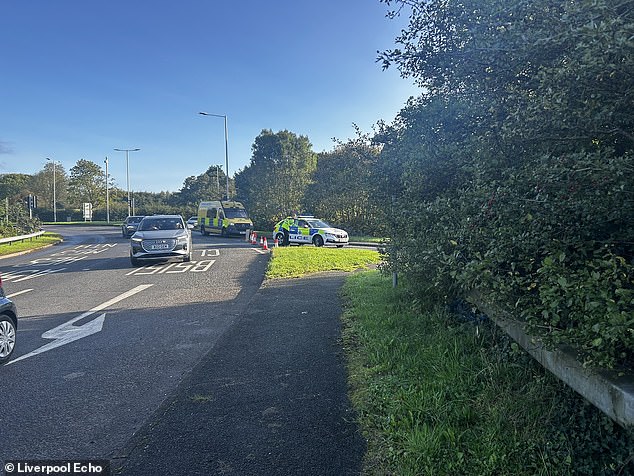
[
  {"x": 8, "y": 326},
  {"x": 161, "y": 237}
]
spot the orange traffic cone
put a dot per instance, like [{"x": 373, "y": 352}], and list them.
[
  {"x": 275, "y": 243},
  {"x": 261, "y": 241},
  {"x": 254, "y": 237},
  {"x": 266, "y": 245}
]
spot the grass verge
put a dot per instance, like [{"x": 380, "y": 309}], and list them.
[
  {"x": 438, "y": 396},
  {"x": 296, "y": 261},
  {"x": 29, "y": 244}
]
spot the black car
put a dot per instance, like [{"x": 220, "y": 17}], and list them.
[
  {"x": 8, "y": 326},
  {"x": 130, "y": 225}
]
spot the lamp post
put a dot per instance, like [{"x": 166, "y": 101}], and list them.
[
  {"x": 127, "y": 173},
  {"x": 54, "y": 193},
  {"x": 107, "y": 194},
  {"x": 226, "y": 145},
  {"x": 218, "y": 180}
]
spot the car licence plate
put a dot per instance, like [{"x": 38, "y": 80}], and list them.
[{"x": 160, "y": 246}]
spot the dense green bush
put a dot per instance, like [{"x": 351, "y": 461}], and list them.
[{"x": 514, "y": 173}]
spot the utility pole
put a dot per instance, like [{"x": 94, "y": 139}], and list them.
[{"x": 107, "y": 194}]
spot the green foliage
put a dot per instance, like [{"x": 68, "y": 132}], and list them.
[
  {"x": 19, "y": 221},
  {"x": 439, "y": 395},
  {"x": 342, "y": 187},
  {"x": 42, "y": 186},
  {"x": 571, "y": 291},
  {"x": 274, "y": 182},
  {"x": 86, "y": 184},
  {"x": 210, "y": 185},
  {"x": 14, "y": 186},
  {"x": 513, "y": 174}
]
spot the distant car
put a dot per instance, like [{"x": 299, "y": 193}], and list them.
[
  {"x": 193, "y": 221},
  {"x": 8, "y": 326},
  {"x": 130, "y": 225},
  {"x": 161, "y": 237},
  {"x": 308, "y": 229}
]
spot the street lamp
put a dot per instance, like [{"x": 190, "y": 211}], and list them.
[
  {"x": 127, "y": 173},
  {"x": 226, "y": 145},
  {"x": 107, "y": 194},
  {"x": 217, "y": 179},
  {"x": 54, "y": 193}
]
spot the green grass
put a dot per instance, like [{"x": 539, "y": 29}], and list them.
[
  {"x": 29, "y": 244},
  {"x": 438, "y": 396},
  {"x": 296, "y": 261}
]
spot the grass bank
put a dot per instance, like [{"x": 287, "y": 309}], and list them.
[
  {"x": 296, "y": 261},
  {"x": 440, "y": 395},
  {"x": 30, "y": 244}
]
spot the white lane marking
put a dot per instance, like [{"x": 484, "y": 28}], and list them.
[
  {"x": 173, "y": 268},
  {"x": 18, "y": 293},
  {"x": 40, "y": 273},
  {"x": 67, "y": 332}
]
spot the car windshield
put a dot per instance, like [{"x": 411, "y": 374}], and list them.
[
  {"x": 236, "y": 213},
  {"x": 134, "y": 219},
  {"x": 150, "y": 224},
  {"x": 318, "y": 224}
]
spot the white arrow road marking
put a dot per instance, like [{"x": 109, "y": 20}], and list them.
[{"x": 67, "y": 332}]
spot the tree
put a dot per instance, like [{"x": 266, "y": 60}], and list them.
[
  {"x": 42, "y": 186},
  {"x": 86, "y": 184},
  {"x": 280, "y": 170},
  {"x": 343, "y": 186},
  {"x": 210, "y": 185},
  {"x": 515, "y": 62},
  {"x": 14, "y": 186}
]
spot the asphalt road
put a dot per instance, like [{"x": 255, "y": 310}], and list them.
[
  {"x": 175, "y": 368},
  {"x": 146, "y": 328}
]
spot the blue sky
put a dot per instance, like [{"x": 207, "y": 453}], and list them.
[{"x": 80, "y": 78}]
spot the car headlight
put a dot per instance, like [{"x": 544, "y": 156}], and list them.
[{"x": 136, "y": 239}]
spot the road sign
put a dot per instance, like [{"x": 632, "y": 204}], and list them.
[{"x": 87, "y": 211}]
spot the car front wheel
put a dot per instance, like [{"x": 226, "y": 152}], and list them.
[
  {"x": 7, "y": 338},
  {"x": 318, "y": 241}
]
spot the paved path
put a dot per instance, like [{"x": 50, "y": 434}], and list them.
[{"x": 269, "y": 399}]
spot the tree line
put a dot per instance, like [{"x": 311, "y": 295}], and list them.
[{"x": 284, "y": 175}]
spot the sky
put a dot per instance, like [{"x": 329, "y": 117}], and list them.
[{"x": 79, "y": 78}]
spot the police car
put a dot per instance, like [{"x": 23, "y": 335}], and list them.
[{"x": 308, "y": 229}]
